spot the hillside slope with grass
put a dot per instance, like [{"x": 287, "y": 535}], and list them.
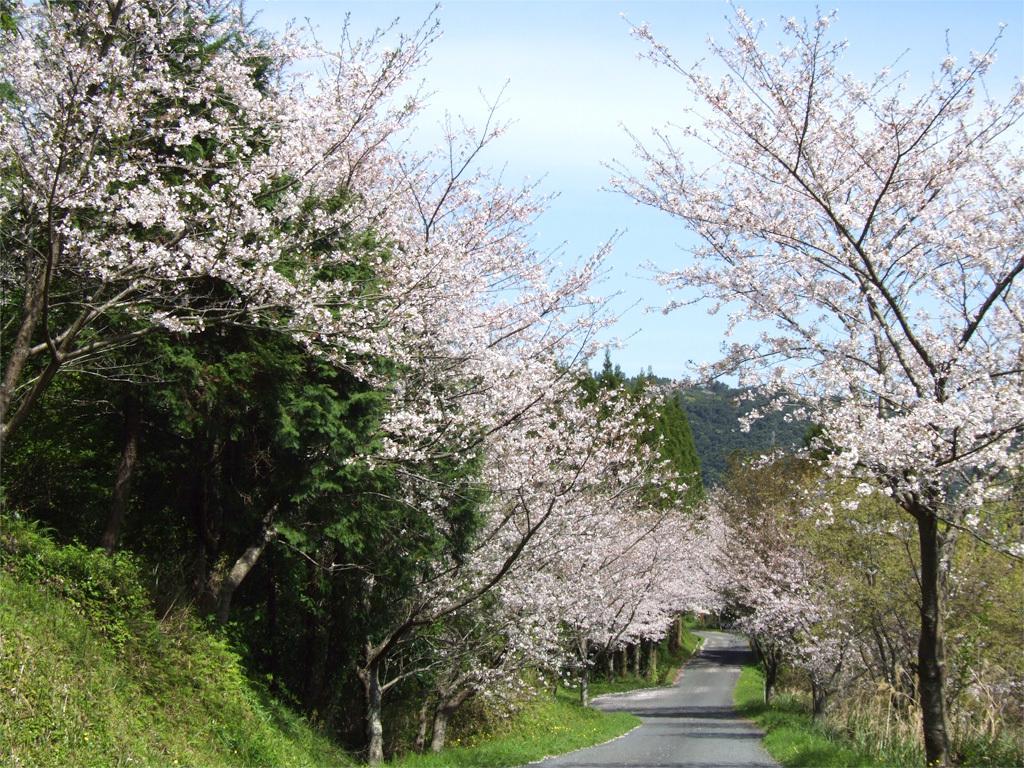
[{"x": 88, "y": 677}]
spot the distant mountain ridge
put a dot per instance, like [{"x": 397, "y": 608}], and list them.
[{"x": 714, "y": 412}]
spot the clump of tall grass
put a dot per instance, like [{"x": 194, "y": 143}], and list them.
[{"x": 886, "y": 724}]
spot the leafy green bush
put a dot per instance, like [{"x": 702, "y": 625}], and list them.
[{"x": 104, "y": 589}]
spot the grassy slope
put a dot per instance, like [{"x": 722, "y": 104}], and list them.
[
  {"x": 791, "y": 735},
  {"x": 89, "y": 678},
  {"x": 549, "y": 726}
]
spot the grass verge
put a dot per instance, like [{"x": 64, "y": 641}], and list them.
[
  {"x": 791, "y": 735},
  {"x": 89, "y": 678},
  {"x": 545, "y": 726}
]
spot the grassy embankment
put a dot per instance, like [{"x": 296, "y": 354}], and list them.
[
  {"x": 791, "y": 734},
  {"x": 795, "y": 738},
  {"x": 551, "y": 726},
  {"x": 89, "y": 677}
]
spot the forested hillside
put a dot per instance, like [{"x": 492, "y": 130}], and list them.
[{"x": 715, "y": 412}]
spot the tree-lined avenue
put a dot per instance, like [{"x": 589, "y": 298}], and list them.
[{"x": 691, "y": 725}]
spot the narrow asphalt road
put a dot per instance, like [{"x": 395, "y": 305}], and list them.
[{"x": 690, "y": 725}]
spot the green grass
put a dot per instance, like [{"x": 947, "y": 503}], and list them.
[
  {"x": 791, "y": 735},
  {"x": 545, "y": 726},
  {"x": 89, "y": 678}
]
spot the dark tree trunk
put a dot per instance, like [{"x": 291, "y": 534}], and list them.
[
  {"x": 205, "y": 521},
  {"x": 819, "y": 699},
  {"x": 652, "y": 660},
  {"x": 123, "y": 479},
  {"x": 930, "y": 655},
  {"x": 771, "y": 676},
  {"x": 770, "y": 659},
  {"x": 675, "y": 635}
]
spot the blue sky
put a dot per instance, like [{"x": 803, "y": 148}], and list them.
[{"x": 574, "y": 80}]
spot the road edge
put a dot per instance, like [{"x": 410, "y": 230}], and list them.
[{"x": 592, "y": 746}]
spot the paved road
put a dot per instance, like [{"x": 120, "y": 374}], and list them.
[{"x": 690, "y": 725}]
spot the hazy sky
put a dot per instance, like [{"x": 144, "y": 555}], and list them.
[{"x": 574, "y": 80}]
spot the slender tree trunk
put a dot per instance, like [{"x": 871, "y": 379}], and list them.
[
  {"x": 422, "y": 725},
  {"x": 125, "y": 473},
  {"x": 442, "y": 715},
  {"x": 611, "y": 665},
  {"x": 771, "y": 674},
  {"x": 819, "y": 698},
  {"x": 635, "y": 659},
  {"x": 370, "y": 676},
  {"x": 582, "y": 648},
  {"x": 440, "y": 732},
  {"x": 675, "y": 635},
  {"x": 18, "y": 353},
  {"x": 769, "y": 658},
  {"x": 623, "y": 664},
  {"x": 242, "y": 567},
  {"x": 930, "y": 656},
  {"x": 652, "y": 661}
]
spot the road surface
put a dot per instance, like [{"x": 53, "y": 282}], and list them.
[{"x": 690, "y": 725}]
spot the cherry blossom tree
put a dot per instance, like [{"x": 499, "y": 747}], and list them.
[
  {"x": 881, "y": 233},
  {"x": 166, "y": 167}
]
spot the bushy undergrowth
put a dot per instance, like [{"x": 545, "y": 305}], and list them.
[
  {"x": 88, "y": 676},
  {"x": 860, "y": 731},
  {"x": 870, "y": 720},
  {"x": 791, "y": 735}
]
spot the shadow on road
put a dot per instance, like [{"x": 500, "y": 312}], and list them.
[{"x": 722, "y": 657}]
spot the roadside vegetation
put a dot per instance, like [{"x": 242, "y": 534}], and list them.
[
  {"x": 96, "y": 680},
  {"x": 792, "y": 736},
  {"x": 546, "y": 725},
  {"x": 858, "y": 734},
  {"x": 99, "y": 680},
  {"x": 673, "y": 653}
]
